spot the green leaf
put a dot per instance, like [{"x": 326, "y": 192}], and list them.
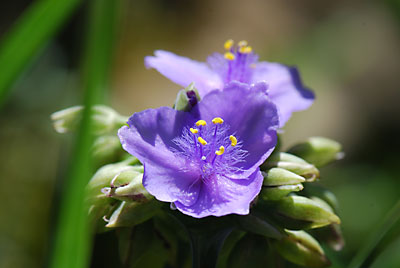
[
  {"x": 72, "y": 237},
  {"x": 28, "y": 36}
]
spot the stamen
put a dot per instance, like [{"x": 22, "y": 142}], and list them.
[
  {"x": 245, "y": 49},
  {"x": 228, "y": 44},
  {"x": 201, "y": 123},
  {"x": 233, "y": 140},
  {"x": 217, "y": 120},
  {"x": 194, "y": 130},
  {"x": 229, "y": 56},
  {"x": 202, "y": 141},
  {"x": 220, "y": 151},
  {"x": 242, "y": 43}
]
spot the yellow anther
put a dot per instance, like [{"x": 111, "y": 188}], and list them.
[
  {"x": 218, "y": 120},
  {"x": 229, "y": 56},
  {"x": 220, "y": 151},
  {"x": 228, "y": 44},
  {"x": 201, "y": 123},
  {"x": 242, "y": 43},
  {"x": 202, "y": 141},
  {"x": 245, "y": 50},
  {"x": 233, "y": 140},
  {"x": 194, "y": 131}
]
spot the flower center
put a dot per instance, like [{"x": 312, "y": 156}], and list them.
[
  {"x": 211, "y": 147},
  {"x": 237, "y": 63}
]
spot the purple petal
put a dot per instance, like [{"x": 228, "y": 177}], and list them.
[
  {"x": 285, "y": 88},
  {"x": 184, "y": 71},
  {"x": 149, "y": 138},
  {"x": 251, "y": 116},
  {"x": 225, "y": 196}
]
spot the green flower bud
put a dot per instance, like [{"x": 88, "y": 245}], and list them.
[
  {"x": 105, "y": 119},
  {"x": 187, "y": 98},
  {"x": 318, "y": 151},
  {"x": 293, "y": 164},
  {"x": 131, "y": 192},
  {"x": 107, "y": 149},
  {"x": 277, "y": 192},
  {"x": 257, "y": 223},
  {"x": 302, "y": 249},
  {"x": 280, "y": 176},
  {"x": 307, "y": 210},
  {"x": 315, "y": 190},
  {"x": 331, "y": 235},
  {"x": 99, "y": 203},
  {"x": 129, "y": 214}
]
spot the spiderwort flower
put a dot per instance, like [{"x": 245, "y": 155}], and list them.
[
  {"x": 238, "y": 63},
  {"x": 206, "y": 161}
]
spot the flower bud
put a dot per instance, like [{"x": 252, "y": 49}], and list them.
[
  {"x": 280, "y": 176},
  {"x": 131, "y": 192},
  {"x": 99, "y": 203},
  {"x": 331, "y": 235},
  {"x": 129, "y": 214},
  {"x": 106, "y": 149},
  {"x": 187, "y": 98},
  {"x": 302, "y": 249},
  {"x": 315, "y": 190},
  {"x": 318, "y": 151},
  {"x": 105, "y": 120},
  {"x": 293, "y": 164},
  {"x": 277, "y": 192},
  {"x": 305, "y": 209}
]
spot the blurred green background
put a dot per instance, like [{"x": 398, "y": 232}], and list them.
[{"x": 348, "y": 52}]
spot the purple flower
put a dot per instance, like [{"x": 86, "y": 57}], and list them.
[
  {"x": 206, "y": 161},
  {"x": 239, "y": 63}
]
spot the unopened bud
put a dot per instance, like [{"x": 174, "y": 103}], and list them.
[
  {"x": 302, "y": 249},
  {"x": 114, "y": 174},
  {"x": 105, "y": 120},
  {"x": 278, "y": 192},
  {"x": 187, "y": 98},
  {"x": 106, "y": 149},
  {"x": 129, "y": 214},
  {"x": 280, "y": 176},
  {"x": 331, "y": 235},
  {"x": 293, "y": 164},
  {"x": 305, "y": 209},
  {"x": 316, "y": 190},
  {"x": 318, "y": 151},
  {"x": 131, "y": 192}
]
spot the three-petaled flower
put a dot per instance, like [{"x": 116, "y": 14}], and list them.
[
  {"x": 238, "y": 63},
  {"x": 206, "y": 161}
]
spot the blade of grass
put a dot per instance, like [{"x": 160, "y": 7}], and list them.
[
  {"x": 388, "y": 222},
  {"x": 32, "y": 30},
  {"x": 72, "y": 243}
]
